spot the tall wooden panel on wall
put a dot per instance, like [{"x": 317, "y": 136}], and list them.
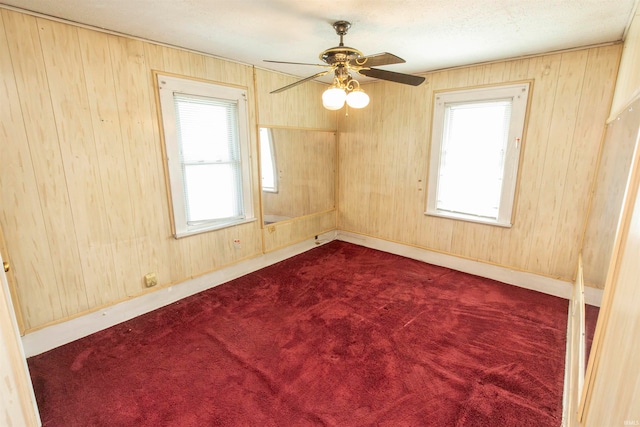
[
  {"x": 612, "y": 383},
  {"x": 611, "y": 182},
  {"x": 83, "y": 198},
  {"x": 38, "y": 223},
  {"x": 615, "y": 161},
  {"x": 384, "y": 156}
]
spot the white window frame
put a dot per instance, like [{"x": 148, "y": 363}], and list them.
[
  {"x": 274, "y": 164},
  {"x": 167, "y": 87},
  {"x": 519, "y": 94}
]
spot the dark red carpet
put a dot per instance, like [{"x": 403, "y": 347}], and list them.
[
  {"x": 339, "y": 336},
  {"x": 590, "y": 320}
]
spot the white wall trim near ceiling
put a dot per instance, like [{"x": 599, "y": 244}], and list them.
[
  {"x": 53, "y": 336},
  {"x": 547, "y": 285}
]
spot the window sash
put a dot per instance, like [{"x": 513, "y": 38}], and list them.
[
  {"x": 460, "y": 172},
  {"x": 208, "y": 163},
  {"x": 471, "y": 170}
]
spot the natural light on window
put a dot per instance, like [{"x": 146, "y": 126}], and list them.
[
  {"x": 475, "y": 151},
  {"x": 268, "y": 161},
  {"x": 205, "y": 129}
]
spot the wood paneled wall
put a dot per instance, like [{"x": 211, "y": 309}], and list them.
[
  {"x": 612, "y": 383},
  {"x": 612, "y": 393},
  {"x": 384, "y": 156},
  {"x": 299, "y": 107},
  {"x": 613, "y": 169},
  {"x": 17, "y": 402},
  {"x": 83, "y": 198},
  {"x": 611, "y": 183}
]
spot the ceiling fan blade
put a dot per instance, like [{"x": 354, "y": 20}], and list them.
[
  {"x": 377, "y": 59},
  {"x": 320, "y": 74},
  {"x": 296, "y": 63},
  {"x": 407, "y": 79}
]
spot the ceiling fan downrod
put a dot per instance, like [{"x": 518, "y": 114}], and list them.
[{"x": 341, "y": 28}]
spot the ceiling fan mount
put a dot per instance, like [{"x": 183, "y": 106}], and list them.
[
  {"x": 343, "y": 61},
  {"x": 341, "y": 27}
]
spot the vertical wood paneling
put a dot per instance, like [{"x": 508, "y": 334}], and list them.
[
  {"x": 612, "y": 387},
  {"x": 544, "y": 70},
  {"x": 612, "y": 384},
  {"x": 45, "y": 298},
  {"x": 16, "y": 391},
  {"x": 600, "y": 73},
  {"x": 80, "y": 162},
  {"x": 561, "y": 130},
  {"x": 299, "y": 107},
  {"x": 146, "y": 182},
  {"x": 83, "y": 197},
  {"x": 608, "y": 195},
  {"x": 570, "y": 94},
  {"x": 111, "y": 160}
]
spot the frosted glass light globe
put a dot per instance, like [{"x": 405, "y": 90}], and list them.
[
  {"x": 333, "y": 98},
  {"x": 358, "y": 99}
]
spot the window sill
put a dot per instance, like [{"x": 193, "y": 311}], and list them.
[
  {"x": 206, "y": 229},
  {"x": 468, "y": 218}
]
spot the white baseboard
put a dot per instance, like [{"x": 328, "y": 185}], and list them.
[
  {"x": 522, "y": 279},
  {"x": 593, "y": 296},
  {"x": 53, "y": 336}
]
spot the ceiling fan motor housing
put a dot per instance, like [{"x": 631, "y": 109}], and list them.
[{"x": 340, "y": 54}]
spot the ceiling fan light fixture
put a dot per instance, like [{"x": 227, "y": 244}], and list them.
[
  {"x": 334, "y": 98},
  {"x": 357, "y": 99}
]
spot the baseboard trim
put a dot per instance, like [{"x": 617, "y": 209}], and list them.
[
  {"x": 522, "y": 279},
  {"x": 593, "y": 296},
  {"x": 53, "y": 336}
]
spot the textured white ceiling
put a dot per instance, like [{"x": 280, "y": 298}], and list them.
[{"x": 429, "y": 35}]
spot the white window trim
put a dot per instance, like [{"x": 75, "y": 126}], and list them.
[
  {"x": 520, "y": 94},
  {"x": 167, "y": 86}
]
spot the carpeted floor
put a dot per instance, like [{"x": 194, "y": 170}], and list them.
[
  {"x": 339, "y": 336},
  {"x": 590, "y": 320}
]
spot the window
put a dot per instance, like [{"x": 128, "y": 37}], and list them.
[
  {"x": 206, "y": 137},
  {"x": 475, "y": 149},
  {"x": 268, "y": 161}
]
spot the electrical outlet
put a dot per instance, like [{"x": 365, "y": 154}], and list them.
[
  {"x": 150, "y": 280},
  {"x": 236, "y": 243}
]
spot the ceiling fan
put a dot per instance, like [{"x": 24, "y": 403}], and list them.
[{"x": 343, "y": 61}]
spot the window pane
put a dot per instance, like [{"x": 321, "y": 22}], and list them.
[
  {"x": 206, "y": 128},
  {"x": 210, "y": 193},
  {"x": 472, "y": 157},
  {"x": 267, "y": 161}
]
